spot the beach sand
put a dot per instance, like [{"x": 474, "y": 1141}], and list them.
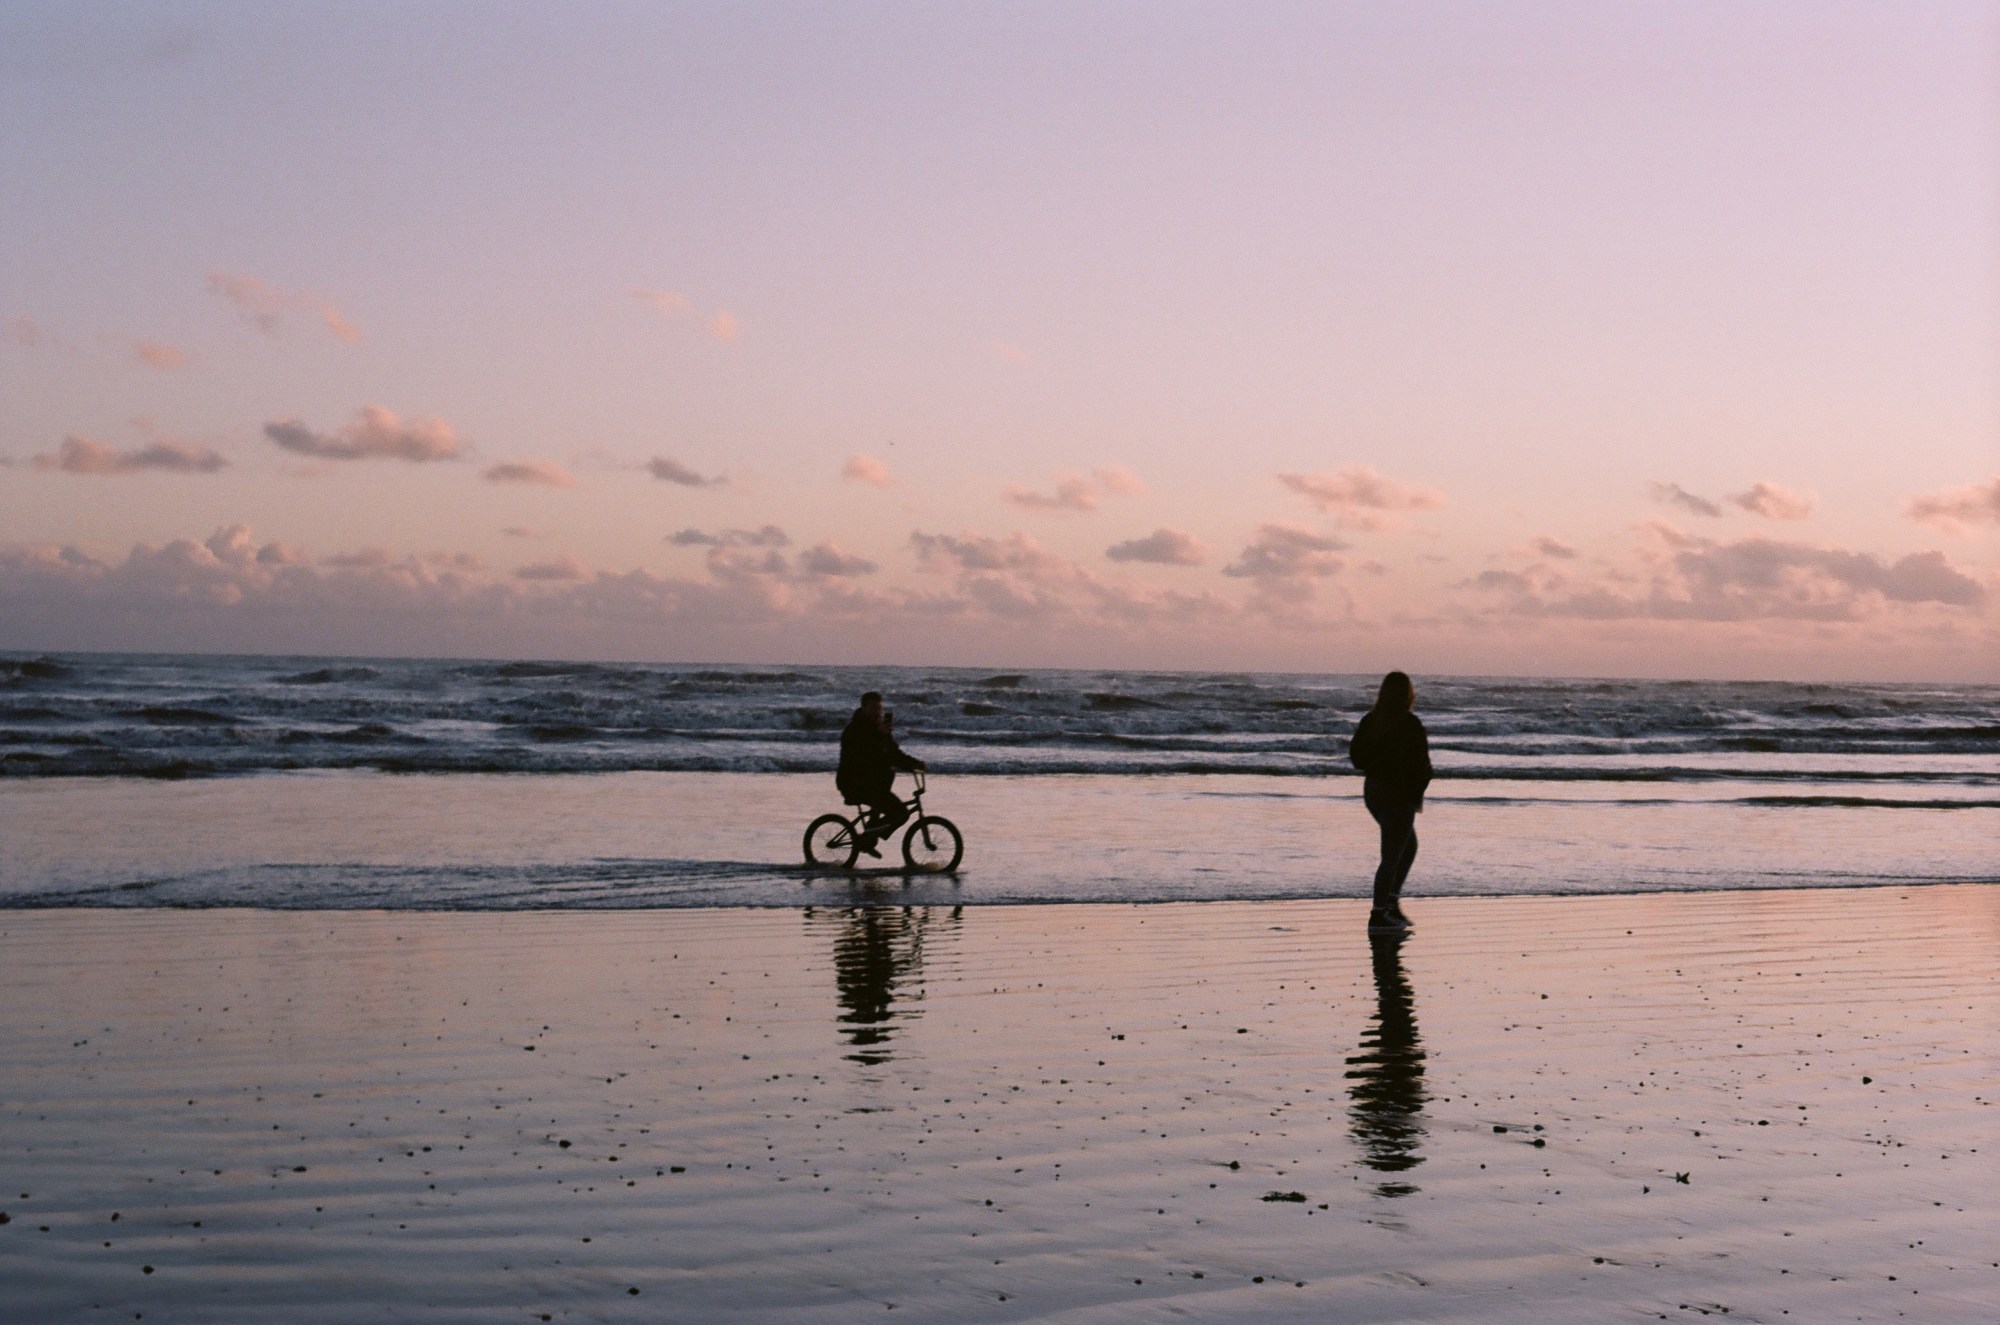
[{"x": 1775, "y": 1105}]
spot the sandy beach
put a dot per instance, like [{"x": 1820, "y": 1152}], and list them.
[{"x": 1767, "y": 1105}]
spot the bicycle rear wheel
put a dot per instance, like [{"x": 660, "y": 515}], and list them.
[
  {"x": 933, "y": 845},
  {"x": 830, "y": 843}
]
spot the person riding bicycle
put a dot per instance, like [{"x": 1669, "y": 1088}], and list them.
[{"x": 869, "y": 759}]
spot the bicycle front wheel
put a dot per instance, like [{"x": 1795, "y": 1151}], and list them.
[
  {"x": 933, "y": 845},
  {"x": 830, "y": 843}
]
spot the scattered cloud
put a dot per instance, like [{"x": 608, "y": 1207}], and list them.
[
  {"x": 867, "y": 469},
  {"x": 1075, "y": 492},
  {"x": 378, "y": 434},
  {"x": 1773, "y": 502},
  {"x": 1009, "y": 351},
  {"x": 1284, "y": 552},
  {"x": 25, "y": 332},
  {"x": 1162, "y": 547},
  {"x": 768, "y": 536},
  {"x": 1957, "y": 509},
  {"x": 721, "y": 325},
  {"x": 526, "y": 531},
  {"x": 1359, "y": 497},
  {"x": 540, "y": 473},
  {"x": 1673, "y": 494},
  {"x": 1699, "y": 579},
  {"x": 166, "y": 358},
  {"x": 827, "y": 559},
  {"x": 82, "y": 455},
  {"x": 1553, "y": 547},
  {"x": 561, "y": 569},
  {"x": 673, "y": 471},
  {"x": 266, "y": 307},
  {"x": 367, "y": 558}
]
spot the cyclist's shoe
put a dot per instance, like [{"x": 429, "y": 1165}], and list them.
[{"x": 866, "y": 843}]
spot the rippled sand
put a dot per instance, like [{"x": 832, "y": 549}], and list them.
[{"x": 1775, "y": 1104}]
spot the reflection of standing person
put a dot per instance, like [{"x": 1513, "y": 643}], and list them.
[
  {"x": 1391, "y": 748},
  {"x": 869, "y": 759},
  {"x": 1387, "y": 1074}
]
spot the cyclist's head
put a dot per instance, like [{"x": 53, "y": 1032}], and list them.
[{"x": 872, "y": 700}]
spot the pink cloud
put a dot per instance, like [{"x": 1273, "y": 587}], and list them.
[
  {"x": 673, "y": 471},
  {"x": 1009, "y": 351},
  {"x": 1697, "y": 579},
  {"x": 540, "y": 473},
  {"x": 867, "y": 469},
  {"x": 378, "y": 434},
  {"x": 1360, "y": 498},
  {"x": 166, "y": 358},
  {"x": 525, "y": 531},
  {"x": 265, "y": 307},
  {"x": 1773, "y": 502},
  {"x": 721, "y": 325},
  {"x": 1956, "y": 509},
  {"x": 562, "y": 569},
  {"x": 1162, "y": 547},
  {"x": 25, "y": 332},
  {"x": 724, "y": 326},
  {"x": 1078, "y": 493},
  {"x": 768, "y": 536},
  {"x": 82, "y": 455},
  {"x": 1286, "y": 552},
  {"x": 670, "y": 303},
  {"x": 1673, "y": 494},
  {"x": 827, "y": 559},
  {"x": 1553, "y": 547}
]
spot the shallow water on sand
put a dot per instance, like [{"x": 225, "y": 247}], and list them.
[
  {"x": 1072, "y": 1113},
  {"x": 344, "y": 840}
]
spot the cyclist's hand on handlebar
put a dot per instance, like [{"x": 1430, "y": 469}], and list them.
[{"x": 922, "y": 767}]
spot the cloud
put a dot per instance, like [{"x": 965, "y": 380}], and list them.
[
  {"x": 166, "y": 358},
  {"x": 1698, "y": 579},
  {"x": 367, "y": 558},
  {"x": 1162, "y": 547},
  {"x": 1958, "y": 508},
  {"x": 81, "y": 455},
  {"x": 673, "y": 471},
  {"x": 265, "y": 307},
  {"x": 525, "y": 531},
  {"x": 25, "y": 332},
  {"x": 1553, "y": 547},
  {"x": 1075, "y": 492},
  {"x": 376, "y": 435},
  {"x": 1286, "y": 552},
  {"x": 1009, "y": 351},
  {"x": 867, "y": 469},
  {"x": 562, "y": 569},
  {"x": 542, "y": 473},
  {"x": 1773, "y": 502},
  {"x": 1359, "y": 496},
  {"x": 827, "y": 559},
  {"x": 721, "y": 325},
  {"x": 768, "y": 536},
  {"x": 979, "y": 552},
  {"x": 1673, "y": 494}
]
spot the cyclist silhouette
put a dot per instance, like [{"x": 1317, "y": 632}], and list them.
[{"x": 869, "y": 760}]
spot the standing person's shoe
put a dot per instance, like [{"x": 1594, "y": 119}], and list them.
[{"x": 1387, "y": 922}]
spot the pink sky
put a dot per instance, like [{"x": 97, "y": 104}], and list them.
[{"x": 1530, "y": 338}]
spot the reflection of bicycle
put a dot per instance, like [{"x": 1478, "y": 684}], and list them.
[{"x": 933, "y": 845}]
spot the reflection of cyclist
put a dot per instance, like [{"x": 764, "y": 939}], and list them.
[{"x": 869, "y": 758}]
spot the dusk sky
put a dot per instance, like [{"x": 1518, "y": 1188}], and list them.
[{"x": 1539, "y": 338}]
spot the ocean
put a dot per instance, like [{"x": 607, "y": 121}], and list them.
[{"x": 155, "y": 780}]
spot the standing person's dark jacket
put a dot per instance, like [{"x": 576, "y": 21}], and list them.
[
  {"x": 869, "y": 758},
  {"x": 1394, "y": 752}
]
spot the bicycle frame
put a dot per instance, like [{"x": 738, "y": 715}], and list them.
[{"x": 915, "y": 804}]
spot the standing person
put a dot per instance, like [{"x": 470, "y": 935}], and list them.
[
  {"x": 1391, "y": 748},
  {"x": 869, "y": 758}
]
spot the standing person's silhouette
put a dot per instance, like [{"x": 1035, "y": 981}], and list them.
[
  {"x": 869, "y": 758},
  {"x": 1391, "y": 748}
]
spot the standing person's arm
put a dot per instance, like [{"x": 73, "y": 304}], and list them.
[{"x": 1420, "y": 764}]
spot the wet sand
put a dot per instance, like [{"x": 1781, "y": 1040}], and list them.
[{"x": 1778, "y": 1105}]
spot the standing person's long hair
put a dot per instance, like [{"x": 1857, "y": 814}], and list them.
[{"x": 1397, "y": 694}]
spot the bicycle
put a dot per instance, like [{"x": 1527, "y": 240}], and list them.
[{"x": 933, "y": 844}]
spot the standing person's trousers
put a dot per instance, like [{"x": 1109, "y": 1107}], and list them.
[{"x": 1398, "y": 822}]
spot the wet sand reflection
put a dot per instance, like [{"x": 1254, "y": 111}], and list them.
[
  {"x": 1387, "y": 1076},
  {"x": 878, "y": 958}
]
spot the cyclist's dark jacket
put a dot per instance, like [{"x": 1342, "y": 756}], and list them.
[
  {"x": 1394, "y": 752},
  {"x": 869, "y": 758}
]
